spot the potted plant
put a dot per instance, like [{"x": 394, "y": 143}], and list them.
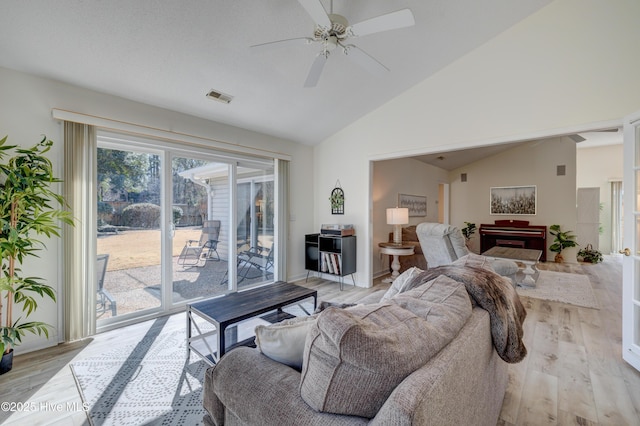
[
  {"x": 467, "y": 232},
  {"x": 562, "y": 240},
  {"x": 26, "y": 213},
  {"x": 590, "y": 255}
]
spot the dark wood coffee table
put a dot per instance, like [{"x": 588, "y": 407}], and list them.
[{"x": 234, "y": 308}]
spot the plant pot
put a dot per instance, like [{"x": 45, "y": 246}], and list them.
[
  {"x": 7, "y": 362},
  {"x": 570, "y": 254}
]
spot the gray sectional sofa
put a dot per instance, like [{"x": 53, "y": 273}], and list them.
[{"x": 420, "y": 353}]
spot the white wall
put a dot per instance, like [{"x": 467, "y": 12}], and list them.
[
  {"x": 401, "y": 176},
  {"x": 595, "y": 168},
  {"x": 572, "y": 64},
  {"x": 25, "y": 114},
  {"x": 531, "y": 164}
]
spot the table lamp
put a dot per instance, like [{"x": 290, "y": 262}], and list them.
[{"x": 398, "y": 217}]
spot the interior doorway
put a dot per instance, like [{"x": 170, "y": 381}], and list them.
[
  {"x": 394, "y": 175},
  {"x": 443, "y": 203}
]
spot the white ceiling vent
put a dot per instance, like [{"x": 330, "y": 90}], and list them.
[{"x": 219, "y": 96}]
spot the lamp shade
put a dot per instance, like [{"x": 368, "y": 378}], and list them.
[{"x": 397, "y": 216}]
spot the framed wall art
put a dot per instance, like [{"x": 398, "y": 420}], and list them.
[
  {"x": 416, "y": 204},
  {"x": 513, "y": 200},
  {"x": 337, "y": 199}
]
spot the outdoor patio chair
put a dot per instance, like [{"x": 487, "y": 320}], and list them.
[
  {"x": 258, "y": 259},
  {"x": 203, "y": 249},
  {"x": 103, "y": 296}
]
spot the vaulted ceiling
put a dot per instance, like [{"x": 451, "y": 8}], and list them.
[{"x": 171, "y": 53}]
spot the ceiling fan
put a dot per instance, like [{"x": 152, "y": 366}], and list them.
[{"x": 333, "y": 31}]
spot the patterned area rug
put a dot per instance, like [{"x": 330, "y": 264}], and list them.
[
  {"x": 574, "y": 289},
  {"x": 151, "y": 383}
]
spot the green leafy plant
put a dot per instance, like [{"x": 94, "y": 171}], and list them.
[
  {"x": 141, "y": 215},
  {"x": 337, "y": 200},
  {"x": 590, "y": 255},
  {"x": 26, "y": 213},
  {"x": 177, "y": 214},
  {"x": 468, "y": 230},
  {"x": 562, "y": 240}
]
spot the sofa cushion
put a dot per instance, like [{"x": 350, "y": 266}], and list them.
[
  {"x": 355, "y": 358},
  {"x": 400, "y": 284},
  {"x": 443, "y": 301},
  {"x": 284, "y": 341}
]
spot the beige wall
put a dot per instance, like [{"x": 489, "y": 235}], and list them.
[
  {"x": 571, "y": 66},
  {"x": 596, "y": 167},
  {"x": 531, "y": 164},
  {"x": 406, "y": 176}
]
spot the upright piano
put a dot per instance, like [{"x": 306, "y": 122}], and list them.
[{"x": 514, "y": 233}]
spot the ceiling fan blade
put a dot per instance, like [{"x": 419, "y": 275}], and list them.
[
  {"x": 272, "y": 45},
  {"x": 391, "y": 21},
  {"x": 365, "y": 60},
  {"x": 315, "y": 9},
  {"x": 316, "y": 70}
]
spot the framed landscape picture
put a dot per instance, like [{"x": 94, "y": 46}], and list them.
[
  {"x": 416, "y": 204},
  {"x": 513, "y": 200}
]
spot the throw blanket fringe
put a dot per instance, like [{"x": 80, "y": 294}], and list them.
[{"x": 495, "y": 294}]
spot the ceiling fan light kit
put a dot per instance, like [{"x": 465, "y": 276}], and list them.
[{"x": 332, "y": 30}]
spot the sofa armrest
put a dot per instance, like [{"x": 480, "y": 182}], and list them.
[{"x": 254, "y": 389}]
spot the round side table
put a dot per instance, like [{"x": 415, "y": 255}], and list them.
[{"x": 395, "y": 250}]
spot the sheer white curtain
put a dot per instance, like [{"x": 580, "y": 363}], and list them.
[
  {"x": 79, "y": 241},
  {"x": 282, "y": 182}
]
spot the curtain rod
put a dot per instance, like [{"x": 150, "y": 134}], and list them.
[{"x": 144, "y": 130}]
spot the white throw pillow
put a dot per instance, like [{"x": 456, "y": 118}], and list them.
[
  {"x": 284, "y": 341},
  {"x": 401, "y": 283}
]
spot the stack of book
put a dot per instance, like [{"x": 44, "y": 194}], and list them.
[{"x": 330, "y": 262}]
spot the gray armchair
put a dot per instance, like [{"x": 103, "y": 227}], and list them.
[{"x": 444, "y": 244}]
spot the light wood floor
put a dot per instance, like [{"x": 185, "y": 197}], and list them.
[{"x": 574, "y": 373}]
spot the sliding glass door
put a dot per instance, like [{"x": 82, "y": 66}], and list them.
[
  {"x": 255, "y": 213},
  {"x": 200, "y": 209},
  {"x": 178, "y": 224},
  {"x": 129, "y": 240}
]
